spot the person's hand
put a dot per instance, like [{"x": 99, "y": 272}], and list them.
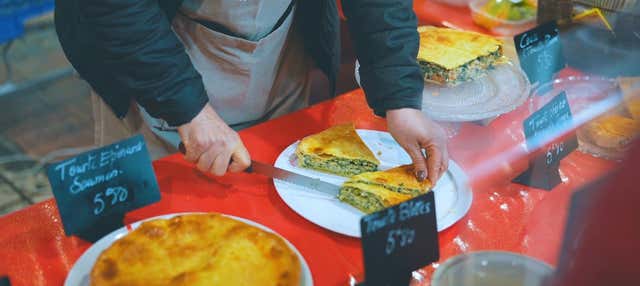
[
  {"x": 415, "y": 132},
  {"x": 213, "y": 145}
]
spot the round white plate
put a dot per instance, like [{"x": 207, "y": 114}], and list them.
[
  {"x": 502, "y": 90},
  {"x": 79, "y": 274},
  {"x": 452, "y": 194}
]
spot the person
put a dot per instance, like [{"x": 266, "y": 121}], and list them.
[{"x": 199, "y": 70}]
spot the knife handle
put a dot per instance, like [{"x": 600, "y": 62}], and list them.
[{"x": 183, "y": 150}]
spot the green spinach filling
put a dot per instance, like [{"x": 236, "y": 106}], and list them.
[
  {"x": 470, "y": 71},
  {"x": 339, "y": 166},
  {"x": 359, "y": 199},
  {"x": 398, "y": 189}
]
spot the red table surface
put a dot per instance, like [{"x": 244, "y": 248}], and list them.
[
  {"x": 432, "y": 12},
  {"x": 505, "y": 216}
]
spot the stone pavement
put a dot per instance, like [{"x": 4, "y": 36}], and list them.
[{"x": 40, "y": 121}]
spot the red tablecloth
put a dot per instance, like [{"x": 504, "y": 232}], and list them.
[
  {"x": 431, "y": 12},
  {"x": 506, "y": 216}
]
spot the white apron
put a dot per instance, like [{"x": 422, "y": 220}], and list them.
[{"x": 250, "y": 57}]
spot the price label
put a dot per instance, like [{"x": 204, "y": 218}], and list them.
[
  {"x": 4, "y": 281},
  {"x": 542, "y": 131},
  {"x": 549, "y": 121},
  {"x": 399, "y": 240},
  {"x": 95, "y": 189},
  {"x": 109, "y": 199},
  {"x": 540, "y": 52},
  {"x": 555, "y": 152}
]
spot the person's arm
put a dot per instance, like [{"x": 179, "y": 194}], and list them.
[
  {"x": 127, "y": 49},
  {"x": 386, "y": 40},
  {"x": 386, "y": 43}
]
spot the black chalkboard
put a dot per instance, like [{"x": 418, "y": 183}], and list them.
[
  {"x": 4, "y": 281},
  {"x": 94, "y": 190},
  {"x": 540, "y": 52},
  {"x": 552, "y": 118},
  {"x": 542, "y": 129},
  {"x": 399, "y": 240}
]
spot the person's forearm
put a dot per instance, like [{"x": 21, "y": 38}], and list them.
[
  {"x": 126, "y": 49},
  {"x": 386, "y": 43}
]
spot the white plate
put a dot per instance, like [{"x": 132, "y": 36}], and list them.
[
  {"x": 79, "y": 274},
  {"x": 452, "y": 194},
  {"x": 502, "y": 90}
]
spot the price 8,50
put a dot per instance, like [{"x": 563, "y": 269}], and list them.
[
  {"x": 553, "y": 152},
  {"x": 109, "y": 198}
]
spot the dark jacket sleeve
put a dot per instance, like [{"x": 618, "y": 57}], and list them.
[
  {"x": 386, "y": 43},
  {"x": 126, "y": 49}
]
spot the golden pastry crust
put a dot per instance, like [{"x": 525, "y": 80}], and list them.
[
  {"x": 370, "y": 198},
  {"x": 401, "y": 177},
  {"x": 374, "y": 191},
  {"x": 613, "y": 131},
  {"x": 451, "y": 48},
  {"x": 197, "y": 249},
  {"x": 630, "y": 87},
  {"x": 338, "y": 150},
  {"x": 633, "y": 106}
]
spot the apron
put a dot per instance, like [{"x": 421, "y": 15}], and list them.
[{"x": 250, "y": 56}]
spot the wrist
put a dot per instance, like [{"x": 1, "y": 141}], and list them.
[{"x": 404, "y": 110}]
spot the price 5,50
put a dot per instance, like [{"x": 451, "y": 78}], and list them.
[
  {"x": 399, "y": 238},
  {"x": 112, "y": 196}
]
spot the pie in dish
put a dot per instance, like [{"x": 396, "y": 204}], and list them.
[
  {"x": 197, "y": 249},
  {"x": 338, "y": 150},
  {"x": 613, "y": 131},
  {"x": 448, "y": 56},
  {"x": 374, "y": 191},
  {"x": 630, "y": 87},
  {"x": 633, "y": 106}
]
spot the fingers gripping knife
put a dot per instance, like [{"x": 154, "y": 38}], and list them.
[{"x": 287, "y": 176}]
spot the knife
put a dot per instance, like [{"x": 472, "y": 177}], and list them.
[{"x": 287, "y": 176}]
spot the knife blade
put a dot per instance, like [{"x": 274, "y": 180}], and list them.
[
  {"x": 287, "y": 176},
  {"x": 294, "y": 178}
]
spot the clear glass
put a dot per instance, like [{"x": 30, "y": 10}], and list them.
[
  {"x": 496, "y": 25},
  {"x": 491, "y": 268}
]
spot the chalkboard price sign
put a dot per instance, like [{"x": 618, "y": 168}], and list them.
[
  {"x": 551, "y": 119},
  {"x": 399, "y": 240},
  {"x": 95, "y": 189},
  {"x": 546, "y": 124},
  {"x": 540, "y": 52}
]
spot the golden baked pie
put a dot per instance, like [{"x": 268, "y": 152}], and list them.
[
  {"x": 630, "y": 87},
  {"x": 613, "y": 131},
  {"x": 338, "y": 150},
  {"x": 448, "y": 56},
  {"x": 197, "y": 249},
  {"x": 633, "y": 106},
  {"x": 374, "y": 191}
]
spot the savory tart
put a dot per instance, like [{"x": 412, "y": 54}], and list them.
[
  {"x": 197, "y": 249},
  {"x": 633, "y": 106},
  {"x": 613, "y": 131},
  {"x": 338, "y": 150},
  {"x": 630, "y": 87},
  {"x": 374, "y": 191},
  {"x": 448, "y": 56}
]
